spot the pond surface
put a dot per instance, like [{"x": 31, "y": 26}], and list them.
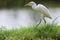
[{"x": 23, "y": 17}]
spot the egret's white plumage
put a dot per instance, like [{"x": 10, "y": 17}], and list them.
[
  {"x": 43, "y": 10},
  {"x": 39, "y": 9}
]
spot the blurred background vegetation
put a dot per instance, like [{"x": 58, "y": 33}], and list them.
[{"x": 20, "y": 3}]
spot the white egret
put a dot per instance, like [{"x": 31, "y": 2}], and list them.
[{"x": 44, "y": 12}]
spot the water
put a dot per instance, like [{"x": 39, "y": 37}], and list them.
[
  {"x": 55, "y": 12},
  {"x": 22, "y": 17}
]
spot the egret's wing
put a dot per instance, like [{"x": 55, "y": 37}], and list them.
[{"x": 43, "y": 9}]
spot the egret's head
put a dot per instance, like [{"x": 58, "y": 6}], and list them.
[{"x": 30, "y": 3}]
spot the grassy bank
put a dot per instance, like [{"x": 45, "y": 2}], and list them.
[{"x": 42, "y": 32}]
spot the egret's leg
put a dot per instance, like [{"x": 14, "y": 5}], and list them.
[
  {"x": 39, "y": 22},
  {"x": 44, "y": 20}
]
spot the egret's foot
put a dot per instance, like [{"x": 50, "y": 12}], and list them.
[{"x": 37, "y": 25}]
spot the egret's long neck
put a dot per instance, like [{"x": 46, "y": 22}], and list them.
[{"x": 33, "y": 6}]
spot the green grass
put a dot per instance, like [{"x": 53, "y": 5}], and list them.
[{"x": 42, "y": 32}]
